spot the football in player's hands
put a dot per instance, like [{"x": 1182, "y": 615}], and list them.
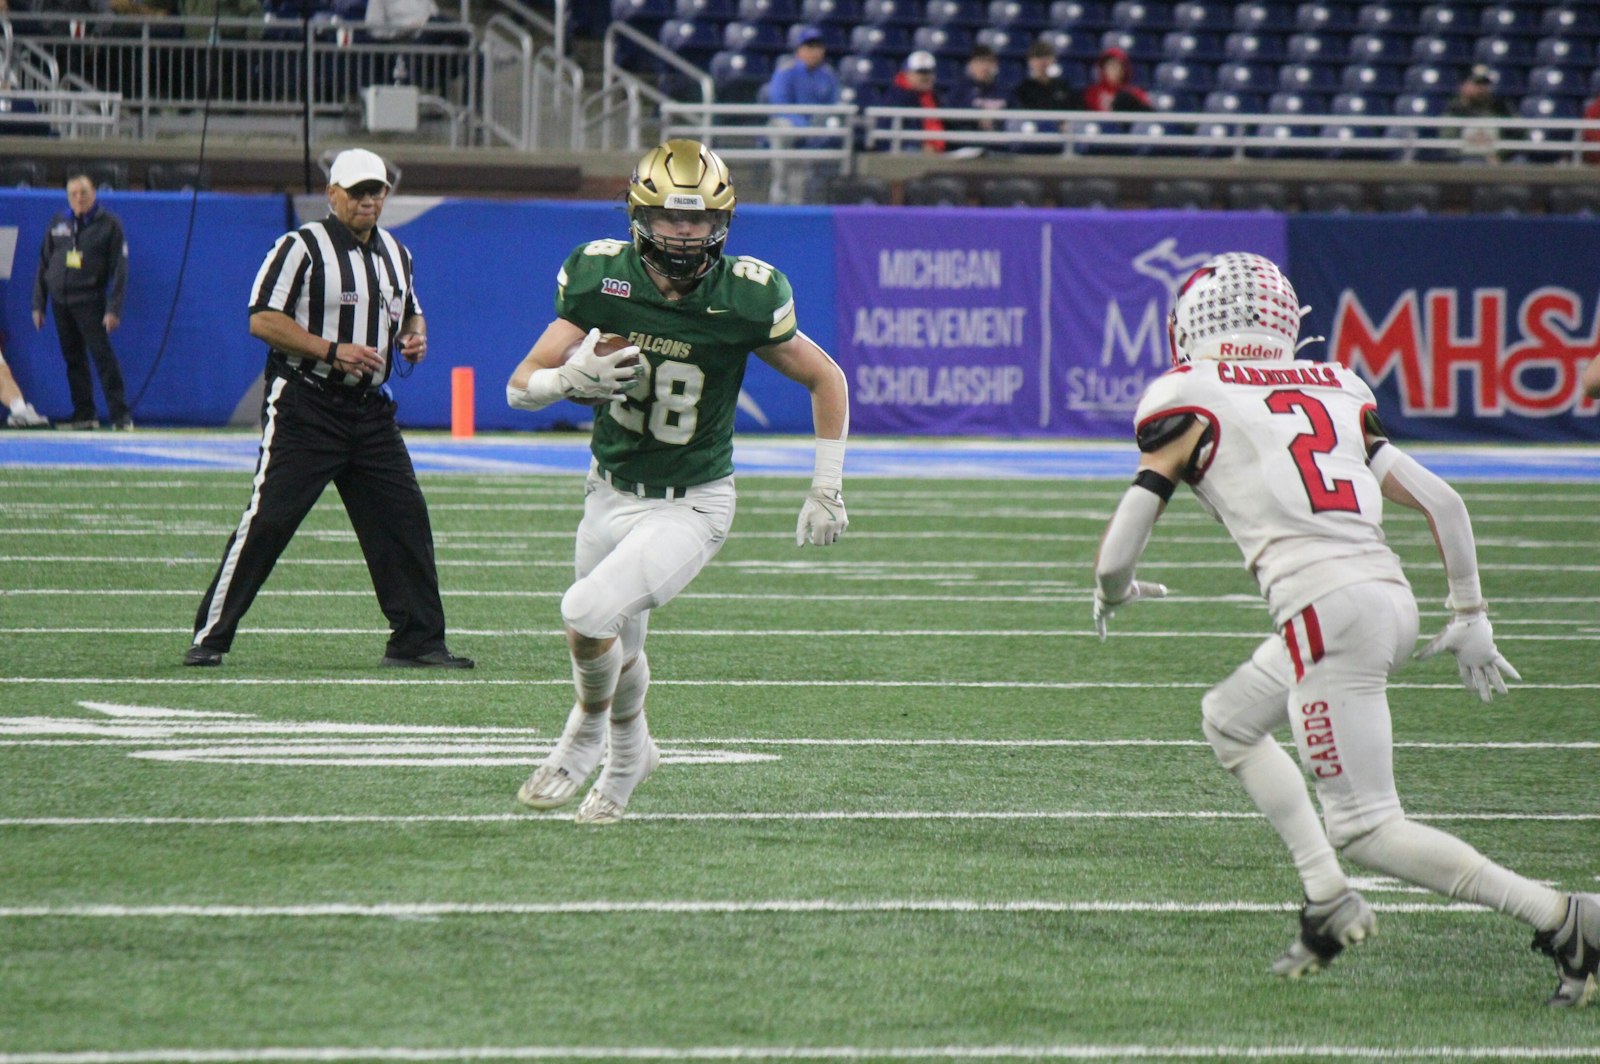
[{"x": 609, "y": 343}]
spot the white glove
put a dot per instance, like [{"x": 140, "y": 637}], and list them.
[
  {"x": 822, "y": 518},
  {"x": 1470, "y": 637},
  {"x": 1104, "y": 607},
  {"x": 587, "y": 375}
]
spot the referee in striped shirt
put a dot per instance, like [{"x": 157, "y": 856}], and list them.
[{"x": 334, "y": 300}]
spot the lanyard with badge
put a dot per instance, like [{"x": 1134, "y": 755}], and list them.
[{"x": 74, "y": 256}]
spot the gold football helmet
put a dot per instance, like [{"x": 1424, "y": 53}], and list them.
[{"x": 680, "y": 185}]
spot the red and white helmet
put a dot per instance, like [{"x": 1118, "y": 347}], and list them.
[{"x": 1236, "y": 306}]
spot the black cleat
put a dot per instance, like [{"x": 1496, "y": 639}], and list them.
[
  {"x": 199, "y": 655},
  {"x": 1575, "y": 947},
  {"x": 434, "y": 659},
  {"x": 1326, "y": 928}
]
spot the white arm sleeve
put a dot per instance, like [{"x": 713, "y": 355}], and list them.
[
  {"x": 1126, "y": 537},
  {"x": 1447, "y": 515}
]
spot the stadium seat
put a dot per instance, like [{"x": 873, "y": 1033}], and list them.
[
  {"x": 1178, "y": 76},
  {"x": 834, "y": 35},
  {"x": 1332, "y": 197},
  {"x": 830, "y": 12},
  {"x": 1360, "y": 103},
  {"x": 875, "y": 39},
  {"x": 1317, "y": 17},
  {"x": 1502, "y": 199},
  {"x": 778, "y": 11},
  {"x": 933, "y": 190},
  {"x": 1169, "y": 102},
  {"x": 1158, "y": 133},
  {"x": 1385, "y": 18},
  {"x": 1141, "y": 16},
  {"x": 1419, "y": 104},
  {"x": 1370, "y": 77},
  {"x": 1444, "y": 18},
  {"x": 1186, "y": 44},
  {"x": 106, "y": 173},
  {"x": 858, "y": 70},
  {"x": 1307, "y": 77},
  {"x": 177, "y": 177},
  {"x": 1292, "y": 102},
  {"x": 1246, "y": 77},
  {"x": 857, "y": 190},
  {"x": 1410, "y": 197},
  {"x": 1379, "y": 48},
  {"x": 1359, "y": 142},
  {"x": 1556, "y": 81},
  {"x": 1561, "y": 51},
  {"x": 1095, "y": 192},
  {"x": 1571, "y": 20},
  {"x": 1438, "y": 49},
  {"x": 1313, "y": 48},
  {"x": 1257, "y": 196},
  {"x": 710, "y": 10},
  {"x": 1262, "y": 17},
  {"x": 1181, "y": 195},
  {"x": 22, "y": 173},
  {"x": 1506, "y": 18},
  {"x": 637, "y": 11},
  {"x": 1141, "y": 45},
  {"x": 1429, "y": 78},
  {"x": 1248, "y": 46},
  {"x": 1011, "y": 192},
  {"x": 742, "y": 36},
  {"x": 1498, "y": 51},
  {"x": 695, "y": 41},
  {"x": 1008, "y": 42},
  {"x": 1017, "y": 14},
  {"x": 968, "y": 13},
  {"x": 955, "y": 41},
  {"x": 732, "y": 71},
  {"x": 1200, "y": 16},
  {"x": 1071, "y": 14},
  {"x": 1581, "y": 199},
  {"x": 1283, "y": 141},
  {"x": 1226, "y": 101},
  {"x": 897, "y": 12},
  {"x": 1541, "y": 106}
]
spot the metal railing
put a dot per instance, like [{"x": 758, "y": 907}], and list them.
[
  {"x": 62, "y": 113},
  {"x": 1408, "y": 139},
  {"x": 761, "y": 131}
]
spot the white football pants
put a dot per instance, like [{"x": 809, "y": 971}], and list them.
[
  {"x": 1326, "y": 676},
  {"x": 634, "y": 554}
]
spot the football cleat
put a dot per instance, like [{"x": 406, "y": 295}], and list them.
[
  {"x": 556, "y": 781},
  {"x": 608, "y": 798},
  {"x": 26, "y": 417},
  {"x": 1575, "y": 947},
  {"x": 1326, "y": 928}
]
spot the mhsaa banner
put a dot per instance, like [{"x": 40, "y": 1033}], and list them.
[{"x": 1466, "y": 328}]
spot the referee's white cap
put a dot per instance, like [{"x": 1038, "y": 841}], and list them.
[{"x": 355, "y": 165}]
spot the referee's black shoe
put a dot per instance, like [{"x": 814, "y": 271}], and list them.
[
  {"x": 199, "y": 655},
  {"x": 434, "y": 659}
]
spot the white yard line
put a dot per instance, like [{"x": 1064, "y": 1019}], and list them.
[
  {"x": 1058, "y": 1051},
  {"x": 453, "y": 681}
]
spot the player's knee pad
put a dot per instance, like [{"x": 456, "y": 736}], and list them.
[
  {"x": 1231, "y": 749},
  {"x": 1360, "y": 839},
  {"x": 587, "y": 609}
]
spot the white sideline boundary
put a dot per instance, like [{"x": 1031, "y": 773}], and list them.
[{"x": 319, "y": 1054}]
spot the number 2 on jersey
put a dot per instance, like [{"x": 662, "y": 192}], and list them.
[
  {"x": 674, "y": 414},
  {"x": 1324, "y": 494}
]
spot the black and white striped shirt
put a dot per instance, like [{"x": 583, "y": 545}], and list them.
[{"x": 340, "y": 289}]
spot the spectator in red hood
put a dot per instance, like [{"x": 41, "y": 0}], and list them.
[
  {"x": 913, "y": 87},
  {"x": 1112, "y": 90}
]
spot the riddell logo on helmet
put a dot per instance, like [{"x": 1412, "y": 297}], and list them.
[{"x": 1227, "y": 350}]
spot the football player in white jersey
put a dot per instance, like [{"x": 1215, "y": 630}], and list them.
[{"x": 1290, "y": 457}]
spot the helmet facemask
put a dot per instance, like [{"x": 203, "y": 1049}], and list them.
[
  {"x": 1237, "y": 306},
  {"x": 680, "y": 181}
]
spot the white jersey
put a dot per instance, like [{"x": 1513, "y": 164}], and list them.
[{"x": 1285, "y": 471}]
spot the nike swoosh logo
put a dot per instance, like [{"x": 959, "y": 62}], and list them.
[
  {"x": 591, "y": 376},
  {"x": 697, "y": 510},
  {"x": 714, "y": 310}
]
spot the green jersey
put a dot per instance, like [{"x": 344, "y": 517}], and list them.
[{"x": 696, "y": 347}]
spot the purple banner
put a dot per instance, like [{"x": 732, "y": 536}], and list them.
[
  {"x": 1015, "y": 323},
  {"x": 939, "y": 328}
]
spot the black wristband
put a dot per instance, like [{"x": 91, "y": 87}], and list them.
[
  {"x": 333, "y": 351},
  {"x": 1155, "y": 483}
]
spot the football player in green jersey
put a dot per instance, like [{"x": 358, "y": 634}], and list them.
[{"x": 660, "y": 494}]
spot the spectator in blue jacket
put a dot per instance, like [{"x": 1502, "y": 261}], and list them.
[{"x": 807, "y": 80}]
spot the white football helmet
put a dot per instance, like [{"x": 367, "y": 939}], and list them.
[{"x": 1236, "y": 306}]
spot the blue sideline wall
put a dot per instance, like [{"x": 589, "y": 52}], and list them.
[{"x": 973, "y": 322}]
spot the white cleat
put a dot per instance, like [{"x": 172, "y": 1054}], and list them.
[
  {"x": 608, "y": 798},
  {"x": 28, "y": 418},
  {"x": 556, "y": 781},
  {"x": 1326, "y": 928}
]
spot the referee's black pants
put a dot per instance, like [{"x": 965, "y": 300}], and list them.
[
  {"x": 311, "y": 437},
  {"x": 82, "y": 330}
]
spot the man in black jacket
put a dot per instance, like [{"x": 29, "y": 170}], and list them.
[{"x": 83, "y": 271}]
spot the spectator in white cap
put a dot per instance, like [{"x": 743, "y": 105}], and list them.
[{"x": 914, "y": 87}]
